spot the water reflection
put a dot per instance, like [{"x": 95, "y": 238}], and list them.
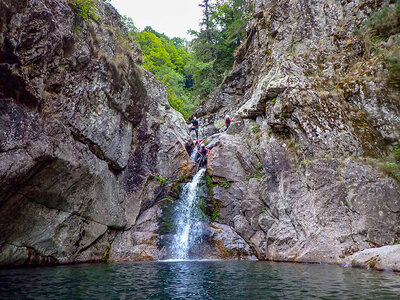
[{"x": 198, "y": 280}]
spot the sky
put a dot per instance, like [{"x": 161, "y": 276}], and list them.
[{"x": 172, "y": 17}]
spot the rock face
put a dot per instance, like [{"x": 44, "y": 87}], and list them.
[
  {"x": 384, "y": 258},
  {"x": 314, "y": 116},
  {"x": 83, "y": 133}
]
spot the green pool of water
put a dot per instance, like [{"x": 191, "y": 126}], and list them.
[{"x": 198, "y": 280}]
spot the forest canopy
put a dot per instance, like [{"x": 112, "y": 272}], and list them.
[{"x": 192, "y": 70}]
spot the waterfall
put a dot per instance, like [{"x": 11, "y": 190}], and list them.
[
  {"x": 189, "y": 219},
  {"x": 194, "y": 153}
]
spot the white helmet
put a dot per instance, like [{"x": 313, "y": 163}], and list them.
[
  {"x": 194, "y": 118},
  {"x": 227, "y": 117}
]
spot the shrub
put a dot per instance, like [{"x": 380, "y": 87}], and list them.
[
  {"x": 393, "y": 65},
  {"x": 386, "y": 21},
  {"x": 87, "y": 9},
  {"x": 389, "y": 165}
]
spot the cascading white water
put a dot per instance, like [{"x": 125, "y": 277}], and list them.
[
  {"x": 194, "y": 153},
  {"x": 189, "y": 219}
]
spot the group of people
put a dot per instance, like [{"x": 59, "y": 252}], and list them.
[{"x": 202, "y": 151}]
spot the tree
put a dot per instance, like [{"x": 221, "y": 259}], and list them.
[{"x": 223, "y": 29}]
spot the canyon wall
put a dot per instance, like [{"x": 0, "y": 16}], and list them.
[
  {"x": 84, "y": 133},
  {"x": 315, "y": 119}
]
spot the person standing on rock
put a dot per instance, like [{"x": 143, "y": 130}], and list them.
[
  {"x": 203, "y": 156},
  {"x": 228, "y": 122},
  {"x": 195, "y": 127}
]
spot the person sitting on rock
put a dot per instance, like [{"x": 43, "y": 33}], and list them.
[
  {"x": 195, "y": 126},
  {"x": 203, "y": 156},
  {"x": 227, "y": 122}
]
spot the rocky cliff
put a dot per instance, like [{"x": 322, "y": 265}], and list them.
[
  {"x": 315, "y": 118},
  {"x": 84, "y": 133}
]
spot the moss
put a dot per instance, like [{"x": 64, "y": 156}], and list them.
[
  {"x": 161, "y": 179},
  {"x": 203, "y": 206},
  {"x": 225, "y": 184},
  {"x": 174, "y": 187},
  {"x": 215, "y": 211},
  {"x": 255, "y": 128},
  {"x": 262, "y": 210},
  {"x": 208, "y": 180},
  {"x": 371, "y": 263},
  {"x": 106, "y": 254}
]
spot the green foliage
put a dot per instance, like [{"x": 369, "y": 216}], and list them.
[
  {"x": 255, "y": 128},
  {"x": 106, "y": 254},
  {"x": 385, "y": 22},
  {"x": 215, "y": 211},
  {"x": 222, "y": 31},
  {"x": 203, "y": 206},
  {"x": 389, "y": 165},
  {"x": 259, "y": 165},
  {"x": 130, "y": 26},
  {"x": 169, "y": 198},
  {"x": 384, "y": 26},
  {"x": 262, "y": 210},
  {"x": 273, "y": 101},
  {"x": 208, "y": 180},
  {"x": 191, "y": 75},
  {"x": 393, "y": 63},
  {"x": 257, "y": 175},
  {"x": 225, "y": 184},
  {"x": 87, "y": 9},
  {"x": 169, "y": 60},
  {"x": 161, "y": 179},
  {"x": 183, "y": 178}
]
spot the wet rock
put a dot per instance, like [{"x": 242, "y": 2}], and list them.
[
  {"x": 224, "y": 243},
  {"x": 383, "y": 258}
]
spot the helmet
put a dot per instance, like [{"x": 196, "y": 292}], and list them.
[
  {"x": 194, "y": 118},
  {"x": 203, "y": 146},
  {"x": 227, "y": 117}
]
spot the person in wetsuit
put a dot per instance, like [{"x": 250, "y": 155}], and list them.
[
  {"x": 195, "y": 127},
  {"x": 228, "y": 122},
  {"x": 203, "y": 156},
  {"x": 197, "y": 145}
]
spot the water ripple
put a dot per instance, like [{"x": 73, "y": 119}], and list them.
[{"x": 198, "y": 280}]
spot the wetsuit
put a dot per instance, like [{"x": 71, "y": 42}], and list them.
[
  {"x": 227, "y": 123},
  {"x": 203, "y": 156},
  {"x": 197, "y": 143},
  {"x": 195, "y": 127}
]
